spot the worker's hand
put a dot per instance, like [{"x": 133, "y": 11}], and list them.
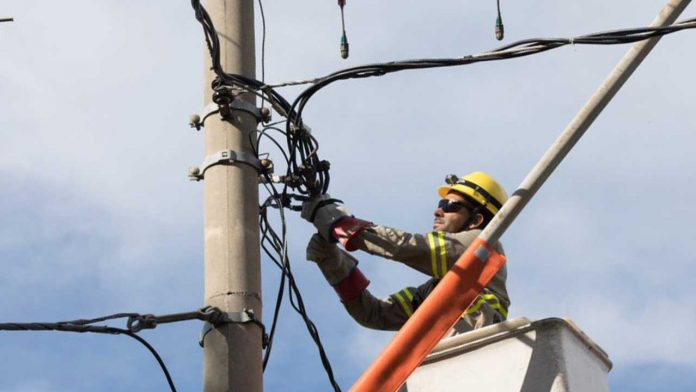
[
  {"x": 319, "y": 250},
  {"x": 333, "y": 263},
  {"x": 324, "y": 212}
]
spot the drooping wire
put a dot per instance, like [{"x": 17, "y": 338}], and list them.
[
  {"x": 279, "y": 245},
  {"x": 84, "y": 325},
  {"x": 275, "y": 247}
]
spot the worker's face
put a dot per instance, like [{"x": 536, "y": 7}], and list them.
[{"x": 452, "y": 222}]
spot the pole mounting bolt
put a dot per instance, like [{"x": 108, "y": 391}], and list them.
[
  {"x": 194, "y": 172},
  {"x": 266, "y": 114},
  {"x": 195, "y": 121},
  {"x": 267, "y": 165}
]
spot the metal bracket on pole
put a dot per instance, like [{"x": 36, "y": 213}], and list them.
[
  {"x": 244, "y": 317},
  {"x": 225, "y": 109},
  {"x": 198, "y": 120},
  {"x": 226, "y": 157}
]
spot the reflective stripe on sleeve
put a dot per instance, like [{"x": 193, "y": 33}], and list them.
[
  {"x": 438, "y": 250},
  {"x": 433, "y": 254},
  {"x": 405, "y": 302},
  {"x": 443, "y": 252},
  {"x": 492, "y": 301}
]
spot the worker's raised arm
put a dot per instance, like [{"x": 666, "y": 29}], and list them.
[{"x": 432, "y": 253}]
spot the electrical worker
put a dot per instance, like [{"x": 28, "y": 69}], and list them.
[{"x": 468, "y": 204}]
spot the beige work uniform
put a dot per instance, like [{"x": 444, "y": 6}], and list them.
[{"x": 433, "y": 254}]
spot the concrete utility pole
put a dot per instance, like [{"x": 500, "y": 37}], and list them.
[{"x": 232, "y": 254}]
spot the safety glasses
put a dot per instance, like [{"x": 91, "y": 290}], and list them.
[{"x": 452, "y": 205}]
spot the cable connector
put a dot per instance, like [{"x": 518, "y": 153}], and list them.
[
  {"x": 499, "y": 29},
  {"x": 266, "y": 115},
  {"x": 344, "y": 39},
  {"x": 344, "y": 46}
]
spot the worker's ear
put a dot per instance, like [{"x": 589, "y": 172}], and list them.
[{"x": 476, "y": 222}]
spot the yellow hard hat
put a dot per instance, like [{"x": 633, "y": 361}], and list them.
[{"x": 480, "y": 187}]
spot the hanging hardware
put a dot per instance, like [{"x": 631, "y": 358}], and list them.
[
  {"x": 344, "y": 38},
  {"x": 499, "y": 28}
]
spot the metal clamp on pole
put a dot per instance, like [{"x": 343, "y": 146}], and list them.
[
  {"x": 242, "y": 106},
  {"x": 226, "y": 157},
  {"x": 198, "y": 120},
  {"x": 225, "y": 109},
  {"x": 217, "y": 317},
  {"x": 138, "y": 322}
]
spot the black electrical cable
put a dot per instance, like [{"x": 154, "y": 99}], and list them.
[
  {"x": 278, "y": 243},
  {"x": 263, "y": 47},
  {"x": 82, "y": 326},
  {"x": 275, "y": 247}
]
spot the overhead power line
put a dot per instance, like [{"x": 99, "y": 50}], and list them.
[
  {"x": 84, "y": 326},
  {"x": 135, "y": 323}
]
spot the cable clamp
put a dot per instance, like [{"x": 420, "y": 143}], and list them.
[
  {"x": 226, "y": 109},
  {"x": 225, "y": 157},
  {"x": 216, "y": 317},
  {"x": 198, "y": 120},
  {"x": 242, "y": 106}
]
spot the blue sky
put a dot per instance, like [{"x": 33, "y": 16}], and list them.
[{"x": 98, "y": 217}]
